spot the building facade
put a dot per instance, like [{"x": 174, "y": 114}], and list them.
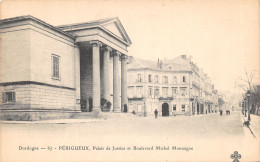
[
  {"x": 69, "y": 68},
  {"x": 172, "y": 87}
]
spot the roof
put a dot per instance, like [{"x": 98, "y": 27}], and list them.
[
  {"x": 141, "y": 63},
  {"x": 176, "y": 64},
  {"x": 103, "y": 25},
  {"x": 29, "y": 17},
  {"x": 65, "y": 29}
]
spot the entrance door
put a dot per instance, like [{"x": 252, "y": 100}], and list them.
[
  {"x": 165, "y": 109},
  {"x": 202, "y": 109},
  {"x": 193, "y": 108},
  {"x": 83, "y": 105}
]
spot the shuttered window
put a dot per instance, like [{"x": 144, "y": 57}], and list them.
[
  {"x": 8, "y": 97},
  {"x": 55, "y": 66}
]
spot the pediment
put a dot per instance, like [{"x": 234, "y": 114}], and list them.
[
  {"x": 112, "y": 26},
  {"x": 115, "y": 27}
]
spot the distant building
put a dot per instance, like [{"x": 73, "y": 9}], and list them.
[
  {"x": 70, "y": 68},
  {"x": 172, "y": 87}
]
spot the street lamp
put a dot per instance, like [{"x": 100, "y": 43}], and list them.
[
  {"x": 245, "y": 106},
  {"x": 144, "y": 107},
  {"x": 248, "y": 94},
  {"x": 242, "y": 105}
]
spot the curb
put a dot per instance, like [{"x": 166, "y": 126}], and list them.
[
  {"x": 251, "y": 130},
  {"x": 65, "y": 121}
]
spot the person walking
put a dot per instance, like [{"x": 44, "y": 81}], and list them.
[{"x": 156, "y": 113}]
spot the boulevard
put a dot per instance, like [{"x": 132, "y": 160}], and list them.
[{"x": 132, "y": 137}]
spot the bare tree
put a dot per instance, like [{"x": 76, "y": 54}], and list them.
[{"x": 245, "y": 82}]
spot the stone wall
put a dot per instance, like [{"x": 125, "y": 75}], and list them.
[
  {"x": 39, "y": 97},
  {"x": 15, "y": 52},
  {"x": 43, "y": 46}
]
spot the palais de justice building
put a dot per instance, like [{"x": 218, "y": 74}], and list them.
[{"x": 70, "y": 68}]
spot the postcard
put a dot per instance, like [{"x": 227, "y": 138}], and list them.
[{"x": 158, "y": 80}]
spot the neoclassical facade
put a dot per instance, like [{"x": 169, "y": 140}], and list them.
[{"x": 68, "y": 68}]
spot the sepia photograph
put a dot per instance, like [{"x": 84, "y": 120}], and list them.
[{"x": 129, "y": 80}]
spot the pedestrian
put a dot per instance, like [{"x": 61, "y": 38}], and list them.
[
  {"x": 156, "y": 113},
  {"x": 125, "y": 108},
  {"x": 220, "y": 111}
]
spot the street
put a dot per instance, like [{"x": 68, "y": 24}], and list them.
[{"x": 199, "y": 138}]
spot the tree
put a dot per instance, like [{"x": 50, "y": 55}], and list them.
[
  {"x": 247, "y": 83},
  {"x": 255, "y": 98},
  {"x": 221, "y": 102}
]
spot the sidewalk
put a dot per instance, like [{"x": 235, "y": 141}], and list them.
[
  {"x": 105, "y": 116},
  {"x": 254, "y": 124}
]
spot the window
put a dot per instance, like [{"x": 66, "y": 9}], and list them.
[
  {"x": 139, "y": 108},
  {"x": 183, "y": 108},
  {"x": 165, "y": 92},
  {"x": 165, "y": 79},
  {"x": 130, "y": 92},
  {"x": 139, "y": 78},
  {"x": 130, "y": 78},
  {"x": 184, "y": 79},
  {"x": 139, "y": 91},
  {"x": 174, "y": 92},
  {"x": 156, "y": 93},
  {"x": 150, "y": 92},
  {"x": 150, "y": 78},
  {"x": 156, "y": 79},
  {"x": 174, "y": 80},
  {"x": 8, "y": 97},
  {"x": 183, "y": 92},
  {"x": 173, "y": 107},
  {"x": 55, "y": 66}
]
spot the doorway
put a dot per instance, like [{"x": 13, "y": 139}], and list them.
[{"x": 165, "y": 109}]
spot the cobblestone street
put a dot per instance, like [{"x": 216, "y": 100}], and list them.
[{"x": 205, "y": 136}]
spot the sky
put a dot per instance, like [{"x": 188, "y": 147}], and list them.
[{"x": 222, "y": 36}]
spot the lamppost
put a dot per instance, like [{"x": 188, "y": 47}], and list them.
[
  {"x": 248, "y": 100},
  {"x": 245, "y": 106},
  {"x": 145, "y": 107}
]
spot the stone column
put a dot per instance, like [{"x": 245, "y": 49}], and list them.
[
  {"x": 77, "y": 76},
  {"x": 199, "y": 108},
  {"x": 116, "y": 82},
  {"x": 123, "y": 82},
  {"x": 196, "y": 107},
  {"x": 106, "y": 73},
  {"x": 96, "y": 75}
]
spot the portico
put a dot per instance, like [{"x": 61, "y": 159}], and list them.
[{"x": 102, "y": 61}]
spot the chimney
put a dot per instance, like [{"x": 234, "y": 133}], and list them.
[
  {"x": 183, "y": 57},
  {"x": 161, "y": 64},
  {"x": 158, "y": 63}
]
